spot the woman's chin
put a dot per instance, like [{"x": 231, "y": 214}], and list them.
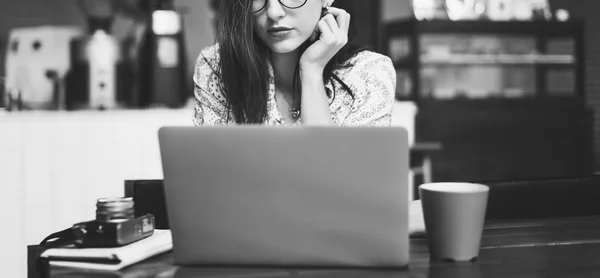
[{"x": 285, "y": 46}]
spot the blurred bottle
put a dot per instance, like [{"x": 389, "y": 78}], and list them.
[
  {"x": 500, "y": 10},
  {"x": 523, "y": 10},
  {"x": 466, "y": 9},
  {"x": 429, "y": 10},
  {"x": 163, "y": 67},
  {"x": 99, "y": 77},
  {"x": 541, "y": 10}
]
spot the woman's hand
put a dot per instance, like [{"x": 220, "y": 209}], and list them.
[{"x": 333, "y": 29}]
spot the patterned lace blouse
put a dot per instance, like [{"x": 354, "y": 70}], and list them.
[{"x": 372, "y": 80}]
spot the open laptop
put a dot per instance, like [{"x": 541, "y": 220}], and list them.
[{"x": 292, "y": 197}]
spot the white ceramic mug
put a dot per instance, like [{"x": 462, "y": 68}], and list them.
[{"x": 454, "y": 217}]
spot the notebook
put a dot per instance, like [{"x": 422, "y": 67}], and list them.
[{"x": 110, "y": 259}]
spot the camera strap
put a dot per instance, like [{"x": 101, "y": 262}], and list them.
[
  {"x": 59, "y": 239},
  {"x": 55, "y": 240}
]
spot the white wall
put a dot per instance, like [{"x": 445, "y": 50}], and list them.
[{"x": 54, "y": 166}]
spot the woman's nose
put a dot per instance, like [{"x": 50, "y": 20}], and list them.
[{"x": 275, "y": 10}]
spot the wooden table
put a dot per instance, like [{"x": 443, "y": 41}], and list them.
[{"x": 563, "y": 247}]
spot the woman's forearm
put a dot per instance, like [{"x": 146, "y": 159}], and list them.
[{"x": 315, "y": 105}]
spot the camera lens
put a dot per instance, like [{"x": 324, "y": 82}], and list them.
[{"x": 115, "y": 209}]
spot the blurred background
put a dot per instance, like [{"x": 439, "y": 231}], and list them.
[{"x": 494, "y": 90}]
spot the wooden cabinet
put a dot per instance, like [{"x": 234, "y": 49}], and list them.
[
  {"x": 507, "y": 139},
  {"x": 506, "y": 99}
]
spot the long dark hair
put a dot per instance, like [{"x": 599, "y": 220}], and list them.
[{"x": 244, "y": 67}]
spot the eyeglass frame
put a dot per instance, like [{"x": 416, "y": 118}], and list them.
[{"x": 263, "y": 7}]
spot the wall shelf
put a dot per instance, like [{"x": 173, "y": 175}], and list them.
[
  {"x": 527, "y": 28},
  {"x": 501, "y": 59},
  {"x": 409, "y": 35}
]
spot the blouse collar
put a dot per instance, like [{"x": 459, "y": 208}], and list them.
[{"x": 273, "y": 110}]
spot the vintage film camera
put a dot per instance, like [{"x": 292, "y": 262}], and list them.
[{"x": 115, "y": 225}]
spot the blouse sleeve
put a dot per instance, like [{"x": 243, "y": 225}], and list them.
[
  {"x": 210, "y": 104},
  {"x": 373, "y": 82}
]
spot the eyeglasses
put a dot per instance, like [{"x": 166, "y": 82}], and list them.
[{"x": 259, "y": 5}]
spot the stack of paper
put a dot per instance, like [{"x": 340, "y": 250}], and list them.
[{"x": 111, "y": 259}]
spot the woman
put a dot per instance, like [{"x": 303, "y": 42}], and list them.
[{"x": 289, "y": 62}]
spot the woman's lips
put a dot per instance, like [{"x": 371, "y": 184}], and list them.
[{"x": 279, "y": 32}]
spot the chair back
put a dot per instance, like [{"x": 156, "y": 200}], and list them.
[{"x": 403, "y": 115}]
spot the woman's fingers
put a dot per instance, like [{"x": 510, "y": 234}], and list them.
[
  {"x": 332, "y": 23},
  {"x": 348, "y": 19},
  {"x": 325, "y": 30},
  {"x": 338, "y": 21},
  {"x": 342, "y": 17}
]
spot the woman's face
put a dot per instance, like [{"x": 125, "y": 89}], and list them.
[{"x": 284, "y": 29}]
